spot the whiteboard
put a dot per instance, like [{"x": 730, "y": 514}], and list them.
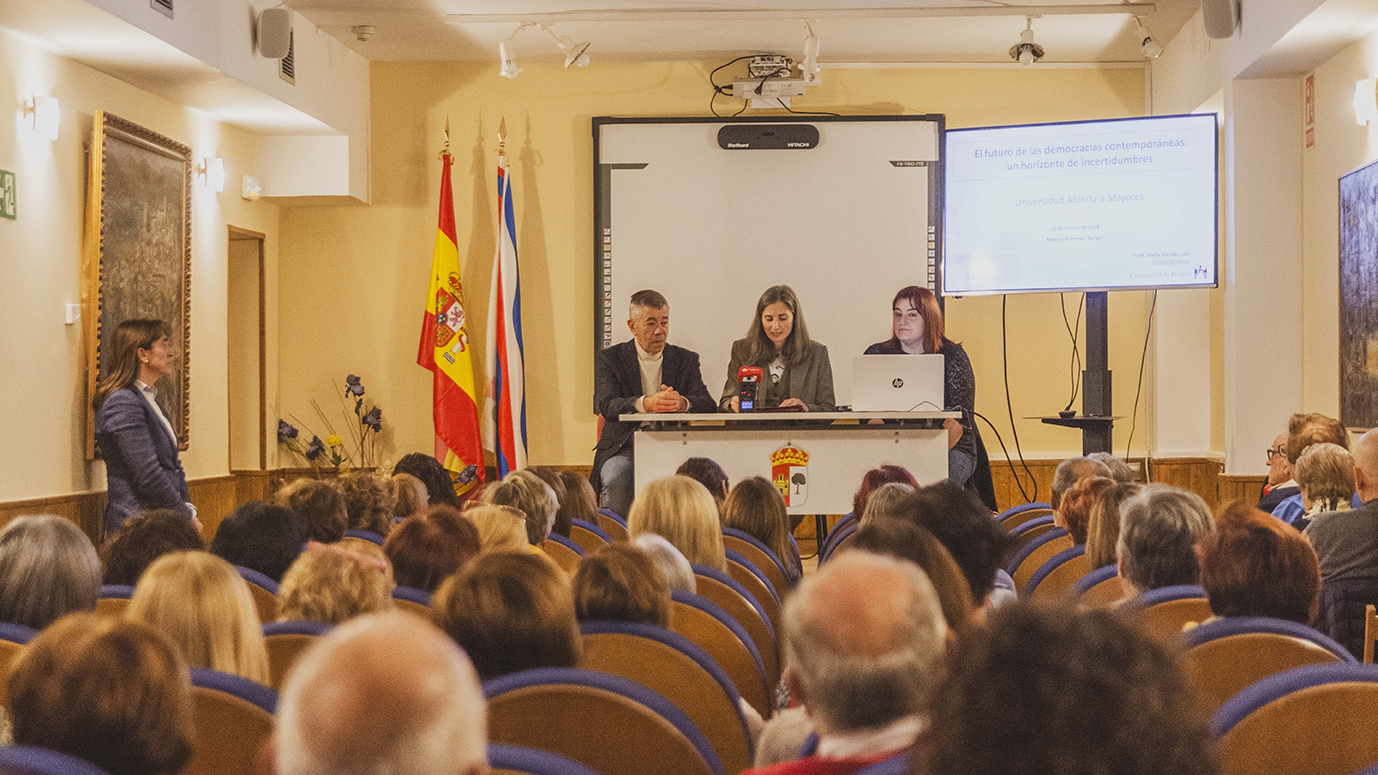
[{"x": 846, "y": 223}]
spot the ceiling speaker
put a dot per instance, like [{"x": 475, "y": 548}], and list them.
[
  {"x": 274, "y": 32},
  {"x": 1221, "y": 18}
]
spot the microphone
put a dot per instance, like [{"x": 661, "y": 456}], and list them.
[{"x": 748, "y": 388}]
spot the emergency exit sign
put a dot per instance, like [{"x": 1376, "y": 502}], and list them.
[{"x": 7, "y": 195}]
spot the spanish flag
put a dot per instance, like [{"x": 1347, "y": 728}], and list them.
[{"x": 445, "y": 351}]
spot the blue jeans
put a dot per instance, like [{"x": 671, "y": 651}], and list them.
[
  {"x": 619, "y": 482},
  {"x": 961, "y": 464}
]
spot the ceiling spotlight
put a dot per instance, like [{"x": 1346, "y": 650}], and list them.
[
  {"x": 509, "y": 60},
  {"x": 576, "y": 54},
  {"x": 809, "y": 67},
  {"x": 1027, "y": 51},
  {"x": 1150, "y": 48}
]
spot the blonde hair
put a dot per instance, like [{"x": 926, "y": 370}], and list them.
[
  {"x": 411, "y": 496},
  {"x": 1325, "y": 472},
  {"x": 530, "y": 494},
  {"x": 681, "y": 510},
  {"x": 500, "y": 528},
  {"x": 202, "y": 604},
  {"x": 331, "y": 584}
]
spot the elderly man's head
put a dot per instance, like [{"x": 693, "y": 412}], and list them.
[
  {"x": 864, "y": 640},
  {"x": 649, "y": 320},
  {"x": 1279, "y": 470},
  {"x": 1071, "y": 471},
  {"x": 1366, "y": 466},
  {"x": 1159, "y": 529},
  {"x": 387, "y": 693}
]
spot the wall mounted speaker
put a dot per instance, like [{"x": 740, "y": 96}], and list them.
[
  {"x": 274, "y": 32},
  {"x": 1221, "y": 18}
]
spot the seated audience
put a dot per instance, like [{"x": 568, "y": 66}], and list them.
[
  {"x": 1074, "y": 516},
  {"x": 963, "y": 524},
  {"x": 1280, "y": 484},
  {"x": 261, "y": 537},
  {"x": 510, "y": 612},
  {"x": 756, "y": 508},
  {"x": 113, "y": 692},
  {"x": 1159, "y": 529},
  {"x": 873, "y": 480},
  {"x": 320, "y": 506},
  {"x": 884, "y": 501},
  {"x": 863, "y": 645},
  {"x": 1071, "y": 471},
  {"x": 368, "y": 501},
  {"x": 429, "y": 546},
  {"x": 331, "y": 584},
  {"x": 1103, "y": 528},
  {"x": 708, "y": 473},
  {"x": 621, "y": 583},
  {"x": 1325, "y": 474},
  {"x": 563, "y": 520},
  {"x": 681, "y": 510},
  {"x": 678, "y": 573},
  {"x": 440, "y": 486},
  {"x": 434, "y": 719},
  {"x": 907, "y": 541},
  {"x": 1120, "y": 470},
  {"x": 500, "y": 528},
  {"x": 1051, "y": 691},
  {"x": 1254, "y": 565},
  {"x": 145, "y": 538},
  {"x": 526, "y": 492},
  {"x": 204, "y": 607},
  {"x": 409, "y": 496},
  {"x": 48, "y": 568},
  {"x": 1346, "y": 542},
  {"x": 1303, "y": 430},
  {"x": 579, "y": 502}
]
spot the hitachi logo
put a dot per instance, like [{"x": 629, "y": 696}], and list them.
[{"x": 797, "y": 145}]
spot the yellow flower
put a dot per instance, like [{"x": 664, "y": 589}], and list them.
[{"x": 334, "y": 440}]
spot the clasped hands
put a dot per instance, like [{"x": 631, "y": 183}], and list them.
[{"x": 667, "y": 400}]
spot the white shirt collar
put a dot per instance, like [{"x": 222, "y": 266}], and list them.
[
  {"x": 642, "y": 355},
  {"x": 874, "y": 740},
  {"x": 147, "y": 389}
]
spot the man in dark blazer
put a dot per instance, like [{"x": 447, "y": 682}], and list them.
[{"x": 643, "y": 375}]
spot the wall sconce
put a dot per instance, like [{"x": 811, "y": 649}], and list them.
[
  {"x": 1366, "y": 100},
  {"x": 212, "y": 168},
  {"x": 44, "y": 113}
]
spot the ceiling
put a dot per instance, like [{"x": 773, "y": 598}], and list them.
[{"x": 417, "y": 30}]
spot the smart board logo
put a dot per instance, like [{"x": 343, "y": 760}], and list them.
[
  {"x": 739, "y": 145},
  {"x": 897, "y": 384},
  {"x": 789, "y": 471}
]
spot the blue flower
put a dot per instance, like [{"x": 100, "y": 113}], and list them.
[
  {"x": 353, "y": 386},
  {"x": 315, "y": 449},
  {"x": 351, "y": 380},
  {"x": 285, "y": 431},
  {"x": 374, "y": 419}
]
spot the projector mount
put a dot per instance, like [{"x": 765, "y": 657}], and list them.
[{"x": 771, "y": 82}]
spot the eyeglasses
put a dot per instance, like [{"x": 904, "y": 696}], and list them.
[{"x": 1272, "y": 453}]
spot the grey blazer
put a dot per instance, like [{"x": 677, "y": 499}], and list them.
[{"x": 810, "y": 380}]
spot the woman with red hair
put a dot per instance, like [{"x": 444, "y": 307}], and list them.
[
  {"x": 1253, "y": 564},
  {"x": 1074, "y": 510},
  {"x": 886, "y": 474}
]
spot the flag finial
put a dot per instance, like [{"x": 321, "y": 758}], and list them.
[
  {"x": 502, "y": 137},
  {"x": 446, "y": 150}
]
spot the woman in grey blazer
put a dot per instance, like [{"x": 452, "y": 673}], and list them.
[{"x": 796, "y": 368}]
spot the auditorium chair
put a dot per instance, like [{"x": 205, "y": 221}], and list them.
[
  {"x": 1101, "y": 588},
  {"x": 564, "y": 552},
  {"x": 27, "y": 760},
  {"x": 1015, "y": 516},
  {"x": 1165, "y": 611},
  {"x": 263, "y": 590},
  {"x": 836, "y": 540},
  {"x": 760, "y": 555},
  {"x": 366, "y": 535},
  {"x": 679, "y": 671},
  {"x": 1058, "y": 575},
  {"x": 745, "y": 572},
  {"x": 1343, "y": 603},
  {"x": 588, "y": 536},
  {"x": 720, "y": 589},
  {"x": 1316, "y": 720},
  {"x": 832, "y": 537},
  {"x": 413, "y": 601},
  {"x": 518, "y": 760},
  {"x": 713, "y": 630},
  {"x": 114, "y": 599},
  {"x": 285, "y": 641},
  {"x": 1227, "y": 655},
  {"x": 233, "y": 717},
  {"x": 614, "y": 526},
  {"x": 1033, "y": 529},
  {"x": 13, "y": 638},
  {"x": 607, "y": 723},
  {"x": 1038, "y": 551}
]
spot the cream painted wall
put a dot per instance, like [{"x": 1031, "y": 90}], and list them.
[
  {"x": 43, "y": 376},
  {"x": 353, "y": 278}
]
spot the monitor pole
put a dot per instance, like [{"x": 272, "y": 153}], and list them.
[{"x": 1096, "y": 421}]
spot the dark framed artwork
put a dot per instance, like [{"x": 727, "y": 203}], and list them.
[
  {"x": 1359, "y": 298},
  {"x": 137, "y": 260}
]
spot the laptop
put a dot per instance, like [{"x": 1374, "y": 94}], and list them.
[{"x": 897, "y": 383}]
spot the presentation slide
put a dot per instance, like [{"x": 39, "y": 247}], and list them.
[{"x": 1095, "y": 205}]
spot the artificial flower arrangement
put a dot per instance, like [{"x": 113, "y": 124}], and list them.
[{"x": 336, "y": 452}]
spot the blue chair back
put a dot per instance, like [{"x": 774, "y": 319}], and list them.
[
  {"x": 1241, "y": 625},
  {"x": 27, "y": 760},
  {"x": 1036, "y": 522},
  {"x": 1166, "y": 594},
  {"x": 838, "y": 537},
  {"x": 1029, "y": 548},
  {"x": 567, "y": 543},
  {"x": 671, "y": 639},
  {"x": 116, "y": 591},
  {"x": 847, "y": 519},
  {"x": 237, "y": 686},
  {"x": 756, "y": 542},
  {"x": 258, "y": 579},
  {"x": 1095, "y": 577},
  {"x": 895, "y": 765},
  {"x": 755, "y": 571},
  {"x": 1011, "y": 511},
  {"x": 1048, "y": 567},
  {"x": 412, "y": 595},
  {"x": 722, "y": 616},
  {"x": 367, "y": 535},
  {"x": 719, "y": 576},
  {"x": 610, "y": 513},
  {"x": 592, "y": 528},
  {"x": 530, "y": 761},
  {"x": 297, "y": 627},
  {"x": 16, "y": 633}
]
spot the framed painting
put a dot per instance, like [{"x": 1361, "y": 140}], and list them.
[
  {"x": 137, "y": 258},
  {"x": 1359, "y": 298}
]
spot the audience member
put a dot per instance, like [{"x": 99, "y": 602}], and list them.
[
  {"x": 145, "y": 538},
  {"x": 1280, "y": 484},
  {"x": 579, "y": 502},
  {"x": 876, "y": 477},
  {"x": 48, "y": 568},
  {"x": 621, "y": 583},
  {"x": 331, "y": 584},
  {"x": 1120, "y": 470},
  {"x": 1254, "y": 565},
  {"x": 1074, "y": 516},
  {"x": 320, "y": 506},
  {"x": 510, "y": 612},
  {"x": 433, "y": 719},
  {"x": 963, "y": 524},
  {"x": 756, "y": 508},
  {"x": 368, "y": 501},
  {"x": 440, "y": 486},
  {"x": 708, "y": 473},
  {"x": 1071, "y": 471},
  {"x": 678, "y": 573},
  {"x": 110, "y": 691},
  {"x": 907, "y": 541},
  {"x": 1159, "y": 529},
  {"x": 1346, "y": 542},
  {"x": 409, "y": 496},
  {"x": 202, "y": 605},
  {"x": 1056, "y": 692},
  {"x": 500, "y": 528},
  {"x": 1103, "y": 529},
  {"x": 1303, "y": 430},
  {"x": 1325, "y": 475},
  {"x": 885, "y": 501},
  {"x": 527, "y": 493},
  {"x": 863, "y": 645},
  {"x": 563, "y": 520},
  {"x": 681, "y": 510},
  {"x": 262, "y": 537},
  {"x": 429, "y": 546}
]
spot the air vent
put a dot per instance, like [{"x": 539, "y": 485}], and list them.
[
  {"x": 289, "y": 62},
  {"x": 163, "y": 7}
]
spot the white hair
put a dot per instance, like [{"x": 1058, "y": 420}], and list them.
[{"x": 678, "y": 572}]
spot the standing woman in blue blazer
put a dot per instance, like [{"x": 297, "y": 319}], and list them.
[{"x": 136, "y": 439}]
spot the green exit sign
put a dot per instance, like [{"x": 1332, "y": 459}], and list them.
[{"x": 7, "y": 195}]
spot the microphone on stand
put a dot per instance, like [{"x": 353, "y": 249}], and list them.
[{"x": 749, "y": 388}]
